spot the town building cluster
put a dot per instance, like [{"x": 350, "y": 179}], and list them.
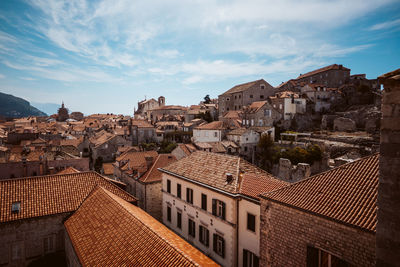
[{"x": 291, "y": 175}]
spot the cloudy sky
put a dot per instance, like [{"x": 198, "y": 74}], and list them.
[{"x": 105, "y": 56}]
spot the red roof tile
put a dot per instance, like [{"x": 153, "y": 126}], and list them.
[
  {"x": 52, "y": 194},
  {"x": 330, "y": 67},
  {"x": 346, "y": 194},
  {"x": 108, "y": 231},
  {"x": 154, "y": 175}
]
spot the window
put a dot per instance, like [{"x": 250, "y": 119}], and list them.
[
  {"x": 251, "y": 96},
  {"x": 240, "y": 96},
  {"x": 320, "y": 258},
  {"x": 189, "y": 195},
  {"x": 16, "y": 251},
  {"x": 267, "y": 113},
  {"x": 204, "y": 201},
  {"x": 218, "y": 208},
  {"x": 280, "y": 106},
  {"x": 169, "y": 213},
  {"x": 215, "y": 134},
  {"x": 245, "y": 149},
  {"x": 169, "y": 186},
  {"x": 219, "y": 245},
  {"x": 227, "y": 99},
  {"x": 261, "y": 96},
  {"x": 178, "y": 190},
  {"x": 251, "y": 222},
  {"x": 48, "y": 245},
  {"x": 249, "y": 259},
  {"x": 192, "y": 228},
  {"x": 179, "y": 220},
  {"x": 262, "y": 86},
  {"x": 15, "y": 207},
  {"x": 235, "y": 97},
  {"x": 204, "y": 236}
]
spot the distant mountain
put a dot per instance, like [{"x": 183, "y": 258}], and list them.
[
  {"x": 11, "y": 106},
  {"x": 49, "y": 108}
]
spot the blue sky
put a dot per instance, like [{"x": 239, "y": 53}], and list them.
[{"x": 105, "y": 56}]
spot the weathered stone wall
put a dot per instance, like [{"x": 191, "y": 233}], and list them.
[
  {"x": 70, "y": 255},
  {"x": 292, "y": 173},
  {"x": 344, "y": 125},
  {"x": 388, "y": 227},
  {"x": 286, "y": 233},
  {"x": 153, "y": 205},
  {"x": 29, "y": 236}
]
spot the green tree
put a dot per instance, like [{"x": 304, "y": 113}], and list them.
[
  {"x": 266, "y": 152},
  {"x": 207, "y": 99}
]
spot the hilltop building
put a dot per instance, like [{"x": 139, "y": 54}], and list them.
[{"x": 62, "y": 114}]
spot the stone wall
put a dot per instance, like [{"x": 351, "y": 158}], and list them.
[
  {"x": 28, "y": 237},
  {"x": 388, "y": 227},
  {"x": 344, "y": 125},
  {"x": 286, "y": 233},
  {"x": 291, "y": 173},
  {"x": 70, "y": 255},
  {"x": 153, "y": 205}
]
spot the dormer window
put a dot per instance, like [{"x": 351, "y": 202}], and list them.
[
  {"x": 262, "y": 86},
  {"x": 15, "y": 207}
]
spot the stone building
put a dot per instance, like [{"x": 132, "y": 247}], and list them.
[
  {"x": 260, "y": 113},
  {"x": 212, "y": 201},
  {"x": 243, "y": 95},
  {"x": 62, "y": 113},
  {"x": 34, "y": 209},
  {"x": 288, "y": 104},
  {"x": 331, "y": 76},
  {"x": 329, "y": 217},
  {"x": 76, "y": 115},
  {"x": 141, "y": 131},
  {"x": 107, "y": 230},
  {"x": 388, "y": 231},
  {"x": 146, "y": 105}
]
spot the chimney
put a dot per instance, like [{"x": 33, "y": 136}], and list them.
[
  {"x": 149, "y": 161},
  {"x": 229, "y": 178},
  {"x": 388, "y": 225}
]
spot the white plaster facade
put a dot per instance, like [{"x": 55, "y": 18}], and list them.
[
  {"x": 233, "y": 228},
  {"x": 203, "y": 135},
  {"x": 293, "y": 106}
]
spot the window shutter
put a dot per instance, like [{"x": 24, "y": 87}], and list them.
[
  {"x": 256, "y": 261},
  {"x": 207, "y": 237},
  {"x": 215, "y": 242},
  {"x": 223, "y": 248},
  {"x": 223, "y": 210},
  {"x": 201, "y": 234},
  {"x": 244, "y": 258},
  {"x": 214, "y": 207},
  {"x": 187, "y": 194},
  {"x": 312, "y": 257}
]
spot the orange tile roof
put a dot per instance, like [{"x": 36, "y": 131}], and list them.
[
  {"x": 153, "y": 174},
  {"x": 68, "y": 170},
  {"x": 108, "y": 231},
  {"x": 330, "y": 67},
  {"x": 211, "y": 169},
  {"x": 244, "y": 86},
  {"x": 108, "y": 168},
  {"x": 215, "y": 125},
  {"x": 136, "y": 160},
  {"x": 141, "y": 124},
  {"x": 346, "y": 194},
  {"x": 51, "y": 194},
  {"x": 253, "y": 185}
]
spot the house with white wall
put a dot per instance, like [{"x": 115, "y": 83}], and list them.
[
  {"x": 210, "y": 132},
  {"x": 211, "y": 200},
  {"x": 288, "y": 103}
]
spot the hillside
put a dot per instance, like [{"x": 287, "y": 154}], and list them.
[
  {"x": 11, "y": 106},
  {"x": 49, "y": 108}
]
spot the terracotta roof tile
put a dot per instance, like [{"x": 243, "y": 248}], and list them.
[
  {"x": 345, "y": 194},
  {"x": 244, "y": 87},
  {"x": 215, "y": 125},
  {"x": 108, "y": 168},
  {"x": 154, "y": 175},
  {"x": 330, "y": 67},
  {"x": 253, "y": 185},
  {"x": 108, "y": 231},
  {"x": 52, "y": 194},
  {"x": 214, "y": 174},
  {"x": 68, "y": 170}
]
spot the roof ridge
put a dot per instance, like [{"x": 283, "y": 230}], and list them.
[
  {"x": 320, "y": 174},
  {"x": 47, "y": 175},
  {"x": 155, "y": 231},
  {"x": 150, "y": 170}
]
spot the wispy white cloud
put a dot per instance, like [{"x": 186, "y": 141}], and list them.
[
  {"x": 2, "y": 76},
  {"x": 385, "y": 25}
]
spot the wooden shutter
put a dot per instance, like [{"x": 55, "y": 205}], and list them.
[
  {"x": 187, "y": 195},
  {"x": 244, "y": 258},
  {"x": 215, "y": 242},
  {"x": 214, "y": 207},
  {"x": 207, "y": 237},
  {"x": 201, "y": 234},
  {"x": 312, "y": 257},
  {"x": 223, "y": 247},
  {"x": 223, "y": 210}
]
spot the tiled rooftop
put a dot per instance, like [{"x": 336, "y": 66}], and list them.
[
  {"x": 51, "y": 194},
  {"x": 346, "y": 194},
  {"x": 108, "y": 231},
  {"x": 253, "y": 185},
  {"x": 330, "y": 67},
  {"x": 244, "y": 87},
  {"x": 154, "y": 175},
  {"x": 211, "y": 169}
]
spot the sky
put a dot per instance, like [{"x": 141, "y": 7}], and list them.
[{"x": 105, "y": 56}]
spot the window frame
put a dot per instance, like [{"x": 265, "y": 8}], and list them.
[
  {"x": 179, "y": 219},
  {"x": 178, "y": 190},
  {"x": 248, "y": 227},
  {"x": 191, "y": 228},
  {"x": 204, "y": 235},
  {"x": 189, "y": 195},
  {"x": 250, "y": 259},
  {"x": 169, "y": 186},
  {"x": 203, "y": 201},
  {"x": 219, "y": 245}
]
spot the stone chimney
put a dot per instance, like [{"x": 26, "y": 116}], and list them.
[
  {"x": 388, "y": 226},
  {"x": 149, "y": 161}
]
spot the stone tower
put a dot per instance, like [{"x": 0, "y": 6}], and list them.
[
  {"x": 388, "y": 226},
  {"x": 161, "y": 101},
  {"x": 62, "y": 113}
]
